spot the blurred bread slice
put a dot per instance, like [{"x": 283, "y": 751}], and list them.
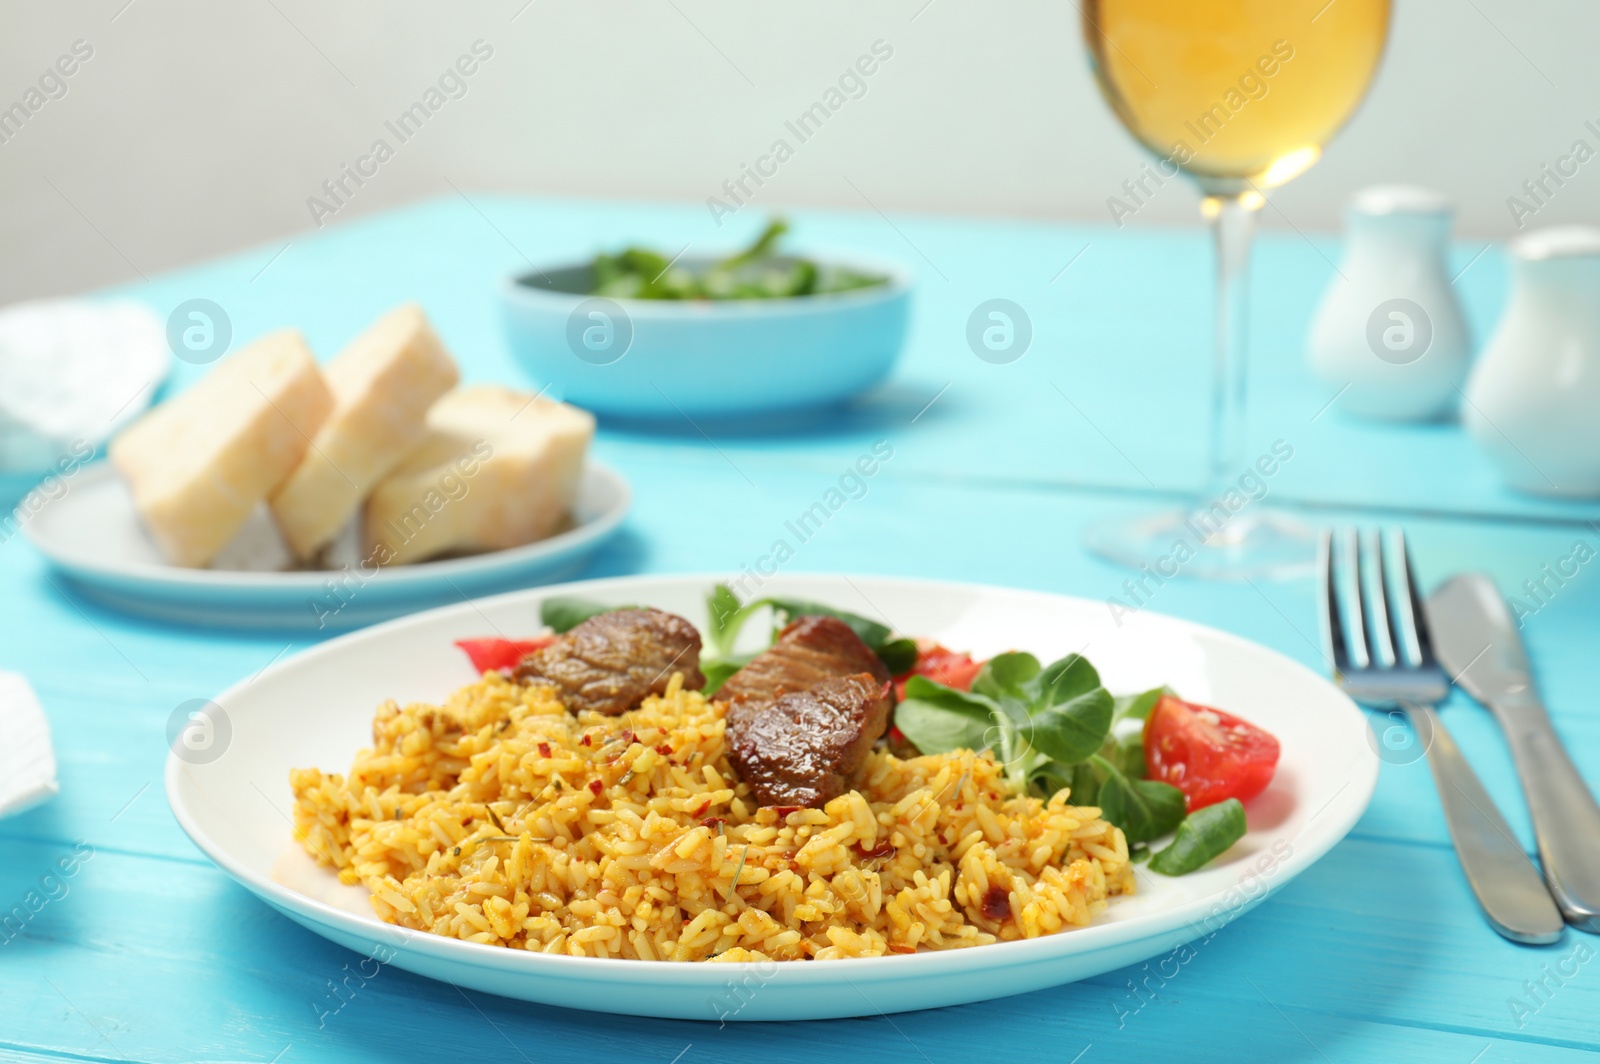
[
  {"x": 383, "y": 384},
  {"x": 499, "y": 469},
  {"x": 198, "y": 464}
]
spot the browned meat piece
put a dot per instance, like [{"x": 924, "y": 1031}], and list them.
[
  {"x": 610, "y": 662},
  {"x": 808, "y": 651},
  {"x": 806, "y": 748}
]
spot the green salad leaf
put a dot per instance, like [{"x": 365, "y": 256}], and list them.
[
  {"x": 872, "y": 633},
  {"x": 1205, "y": 834},
  {"x": 1072, "y": 713},
  {"x": 1085, "y": 780},
  {"x": 728, "y": 617},
  {"x": 1137, "y": 707},
  {"x": 1123, "y": 747},
  {"x": 1070, "y": 678},
  {"x": 937, "y": 718},
  {"x": 1041, "y": 720},
  {"x": 1012, "y": 675},
  {"x": 1071, "y": 731},
  {"x": 765, "y": 244},
  {"x": 1143, "y": 809},
  {"x": 1127, "y": 753},
  {"x": 717, "y": 670},
  {"x": 898, "y": 655}
]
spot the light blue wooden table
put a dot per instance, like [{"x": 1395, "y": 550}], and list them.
[{"x": 1376, "y": 954}]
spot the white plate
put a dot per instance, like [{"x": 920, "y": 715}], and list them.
[
  {"x": 316, "y": 708},
  {"x": 92, "y": 534}
]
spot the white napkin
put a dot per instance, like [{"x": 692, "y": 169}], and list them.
[
  {"x": 27, "y": 763},
  {"x": 71, "y": 372}
]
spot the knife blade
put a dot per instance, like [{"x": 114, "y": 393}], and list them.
[{"x": 1477, "y": 641}]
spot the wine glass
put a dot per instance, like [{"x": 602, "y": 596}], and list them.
[{"x": 1240, "y": 95}]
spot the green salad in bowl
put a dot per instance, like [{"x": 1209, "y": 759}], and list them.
[{"x": 752, "y": 331}]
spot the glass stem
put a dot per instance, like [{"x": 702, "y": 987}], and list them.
[{"x": 1233, "y": 219}]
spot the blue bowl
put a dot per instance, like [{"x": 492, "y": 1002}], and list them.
[{"x": 664, "y": 359}]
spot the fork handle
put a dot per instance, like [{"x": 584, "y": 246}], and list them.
[
  {"x": 1566, "y": 820},
  {"x": 1508, "y": 885}
]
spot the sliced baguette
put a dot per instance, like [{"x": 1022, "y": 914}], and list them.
[
  {"x": 199, "y": 464},
  {"x": 383, "y": 384},
  {"x": 499, "y": 469}
]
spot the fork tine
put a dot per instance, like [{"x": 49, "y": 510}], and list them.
[
  {"x": 1364, "y": 615},
  {"x": 1401, "y": 621},
  {"x": 1419, "y": 617},
  {"x": 1338, "y": 644}
]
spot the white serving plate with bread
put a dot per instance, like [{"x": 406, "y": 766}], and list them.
[
  {"x": 93, "y": 536},
  {"x": 277, "y": 492}
]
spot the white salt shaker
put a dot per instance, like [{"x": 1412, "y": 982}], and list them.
[
  {"x": 1389, "y": 336},
  {"x": 1533, "y": 401}
]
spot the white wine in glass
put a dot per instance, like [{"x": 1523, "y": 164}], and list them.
[{"x": 1240, "y": 95}]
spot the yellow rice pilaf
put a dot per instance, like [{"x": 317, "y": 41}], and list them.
[{"x": 501, "y": 818}]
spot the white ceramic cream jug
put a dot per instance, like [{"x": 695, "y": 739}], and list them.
[
  {"x": 1390, "y": 337},
  {"x": 1533, "y": 402}
]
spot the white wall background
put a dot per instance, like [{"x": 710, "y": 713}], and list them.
[{"x": 200, "y": 126}]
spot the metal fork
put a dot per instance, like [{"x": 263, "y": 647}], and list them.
[{"x": 1392, "y": 665}]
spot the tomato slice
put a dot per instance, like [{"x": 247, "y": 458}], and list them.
[
  {"x": 486, "y": 654},
  {"x": 949, "y": 667},
  {"x": 1206, "y": 753}
]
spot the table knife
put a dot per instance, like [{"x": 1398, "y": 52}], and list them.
[{"x": 1476, "y": 639}]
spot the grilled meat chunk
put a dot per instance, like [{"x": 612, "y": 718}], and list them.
[
  {"x": 610, "y": 662},
  {"x": 806, "y": 748},
  {"x": 808, "y": 651}
]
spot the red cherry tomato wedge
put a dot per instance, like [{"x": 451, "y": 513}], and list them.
[
  {"x": 487, "y": 654},
  {"x": 949, "y": 667},
  {"x": 1207, "y": 754}
]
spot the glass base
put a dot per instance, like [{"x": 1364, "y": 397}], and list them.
[{"x": 1207, "y": 544}]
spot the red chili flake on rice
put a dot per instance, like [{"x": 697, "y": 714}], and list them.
[
  {"x": 713, "y": 821},
  {"x": 883, "y": 849},
  {"x": 897, "y": 948},
  {"x": 996, "y": 904},
  {"x": 664, "y": 750},
  {"x": 586, "y": 740},
  {"x": 596, "y": 786},
  {"x": 701, "y": 811},
  {"x": 544, "y": 749}
]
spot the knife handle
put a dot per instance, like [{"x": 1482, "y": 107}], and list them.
[
  {"x": 1508, "y": 886},
  {"x": 1566, "y": 820}
]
